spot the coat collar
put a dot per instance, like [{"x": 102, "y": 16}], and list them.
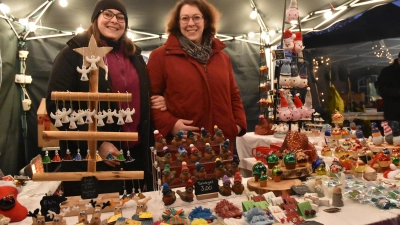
[{"x": 174, "y": 47}]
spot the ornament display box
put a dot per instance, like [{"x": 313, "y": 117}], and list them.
[{"x": 45, "y": 124}]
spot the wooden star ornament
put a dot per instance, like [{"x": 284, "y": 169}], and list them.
[{"x": 93, "y": 51}]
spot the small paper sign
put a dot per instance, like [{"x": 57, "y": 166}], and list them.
[
  {"x": 206, "y": 186},
  {"x": 89, "y": 187},
  {"x": 51, "y": 203},
  {"x": 145, "y": 215},
  {"x": 300, "y": 189},
  {"x": 278, "y": 54}
]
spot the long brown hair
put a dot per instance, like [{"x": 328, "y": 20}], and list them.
[
  {"x": 210, "y": 14},
  {"x": 129, "y": 47}
]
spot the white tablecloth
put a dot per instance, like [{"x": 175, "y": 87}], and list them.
[{"x": 352, "y": 213}]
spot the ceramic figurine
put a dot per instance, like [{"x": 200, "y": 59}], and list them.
[
  {"x": 307, "y": 107},
  {"x": 168, "y": 176},
  {"x": 272, "y": 160},
  {"x": 191, "y": 138},
  {"x": 326, "y": 151},
  {"x": 185, "y": 174},
  {"x": 263, "y": 180},
  {"x": 82, "y": 217},
  {"x": 377, "y": 138},
  {"x": 225, "y": 189},
  {"x": 359, "y": 133},
  {"x": 200, "y": 171},
  {"x": 335, "y": 167},
  {"x": 346, "y": 132},
  {"x": 277, "y": 173},
  {"x": 219, "y": 169},
  {"x": 182, "y": 154},
  {"x": 384, "y": 159},
  {"x": 321, "y": 169},
  {"x": 301, "y": 158},
  {"x": 209, "y": 153},
  {"x": 353, "y": 129},
  {"x": 225, "y": 153},
  {"x": 290, "y": 161},
  {"x": 337, "y": 118},
  {"x": 218, "y": 135},
  {"x": 284, "y": 112},
  {"x": 337, "y": 198},
  {"x": 169, "y": 196},
  {"x": 195, "y": 154},
  {"x": 58, "y": 220},
  {"x": 187, "y": 195},
  {"x": 235, "y": 165},
  {"x": 387, "y": 131},
  {"x": 396, "y": 133},
  {"x": 358, "y": 166},
  {"x": 319, "y": 188},
  {"x": 336, "y": 133},
  {"x": 167, "y": 158},
  {"x": 177, "y": 141},
  {"x": 237, "y": 186},
  {"x": 160, "y": 141},
  {"x": 205, "y": 136},
  {"x": 141, "y": 204},
  {"x": 258, "y": 168},
  {"x": 316, "y": 163}
]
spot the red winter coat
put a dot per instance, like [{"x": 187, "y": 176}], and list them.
[{"x": 206, "y": 94}]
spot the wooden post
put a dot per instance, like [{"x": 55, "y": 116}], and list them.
[{"x": 93, "y": 88}]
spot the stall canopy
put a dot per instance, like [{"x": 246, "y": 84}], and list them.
[{"x": 56, "y": 24}]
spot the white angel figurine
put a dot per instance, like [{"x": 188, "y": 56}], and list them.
[
  {"x": 89, "y": 115},
  {"x": 84, "y": 71},
  {"x": 100, "y": 118},
  {"x": 72, "y": 120},
  {"x": 120, "y": 115},
  {"x": 57, "y": 117},
  {"x": 81, "y": 113},
  {"x": 109, "y": 115},
  {"x": 128, "y": 113},
  {"x": 65, "y": 114},
  {"x": 92, "y": 60}
]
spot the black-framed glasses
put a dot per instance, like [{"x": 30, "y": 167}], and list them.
[
  {"x": 108, "y": 15},
  {"x": 196, "y": 19}
]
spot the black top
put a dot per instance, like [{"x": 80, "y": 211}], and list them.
[{"x": 388, "y": 87}]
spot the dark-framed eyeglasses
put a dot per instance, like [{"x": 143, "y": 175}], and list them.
[
  {"x": 108, "y": 15},
  {"x": 196, "y": 19}
]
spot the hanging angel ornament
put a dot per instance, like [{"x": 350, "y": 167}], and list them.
[
  {"x": 128, "y": 113},
  {"x": 100, "y": 118},
  {"x": 120, "y": 115},
  {"x": 81, "y": 113},
  {"x": 57, "y": 117},
  {"x": 109, "y": 115},
  {"x": 65, "y": 113},
  {"x": 84, "y": 71},
  {"x": 288, "y": 37},
  {"x": 72, "y": 120},
  {"x": 93, "y": 60},
  {"x": 89, "y": 115},
  {"x": 292, "y": 13}
]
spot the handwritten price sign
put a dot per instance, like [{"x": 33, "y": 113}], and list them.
[
  {"x": 206, "y": 186},
  {"x": 89, "y": 187}
]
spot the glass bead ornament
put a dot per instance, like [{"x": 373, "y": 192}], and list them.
[{"x": 46, "y": 159}]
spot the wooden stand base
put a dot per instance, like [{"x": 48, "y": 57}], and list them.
[
  {"x": 78, "y": 201},
  {"x": 207, "y": 196},
  {"x": 294, "y": 173},
  {"x": 279, "y": 188}
]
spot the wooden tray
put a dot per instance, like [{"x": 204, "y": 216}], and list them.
[
  {"x": 295, "y": 173},
  {"x": 279, "y": 188}
]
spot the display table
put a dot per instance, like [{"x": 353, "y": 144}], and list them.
[{"x": 352, "y": 213}]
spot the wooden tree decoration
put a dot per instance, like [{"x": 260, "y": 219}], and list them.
[{"x": 90, "y": 52}]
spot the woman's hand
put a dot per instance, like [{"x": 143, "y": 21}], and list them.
[
  {"x": 182, "y": 124},
  {"x": 104, "y": 149},
  {"x": 158, "y": 102}
]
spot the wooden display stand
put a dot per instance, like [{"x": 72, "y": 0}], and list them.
[
  {"x": 78, "y": 201},
  {"x": 294, "y": 173},
  {"x": 279, "y": 188}
]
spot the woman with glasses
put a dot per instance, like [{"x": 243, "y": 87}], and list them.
[
  {"x": 126, "y": 74},
  {"x": 195, "y": 76}
]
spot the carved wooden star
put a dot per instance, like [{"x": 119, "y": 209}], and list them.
[{"x": 92, "y": 51}]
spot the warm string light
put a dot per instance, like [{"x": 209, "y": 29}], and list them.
[{"x": 383, "y": 50}]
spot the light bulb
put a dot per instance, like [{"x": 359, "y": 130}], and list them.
[
  {"x": 328, "y": 14},
  {"x": 253, "y": 14},
  {"x": 251, "y": 34},
  {"x": 4, "y": 8},
  {"x": 23, "y": 21},
  {"x": 32, "y": 26},
  {"x": 79, "y": 30},
  {"x": 63, "y": 3},
  {"x": 130, "y": 35},
  {"x": 271, "y": 32},
  {"x": 263, "y": 35}
]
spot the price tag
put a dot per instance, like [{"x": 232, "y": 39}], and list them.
[
  {"x": 51, "y": 203},
  {"x": 89, "y": 187},
  {"x": 145, "y": 215},
  {"x": 206, "y": 186},
  {"x": 278, "y": 54},
  {"x": 300, "y": 189}
]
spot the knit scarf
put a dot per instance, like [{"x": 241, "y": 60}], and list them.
[{"x": 201, "y": 53}]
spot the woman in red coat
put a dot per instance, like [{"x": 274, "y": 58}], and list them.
[{"x": 195, "y": 76}]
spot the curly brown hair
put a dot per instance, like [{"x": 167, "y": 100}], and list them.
[
  {"x": 129, "y": 46},
  {"x": 210, "y": 14}
]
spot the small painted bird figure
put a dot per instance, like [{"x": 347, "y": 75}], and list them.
[
  {"x": 169, "y": 196},
  {"x": 160, "y": 140},
  {"x": 200, "y": 171},
  {"x": 182, "y": 154},
  {"x": 185, "y": 174},
  {"x": 195, "y": 154},
  {"x": 187, "y": 195},
  {"x": 168, "y": 176},
  {"x": 205, "y": 136},
  {"x": 235, "y": 165},
  {"x": 209, "y": 153},
  {"x": 177, "y": 141},
  {"x": 218, "y": 135},
  {"x": 237, "y": 186},
  {"x": 219, "y": 169},
  {"x": 191, "y": 138},
  {"x": 167, "y": 158},
  {"x": 225, "y": 189},
  {"x": 225, "y": 153}
]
